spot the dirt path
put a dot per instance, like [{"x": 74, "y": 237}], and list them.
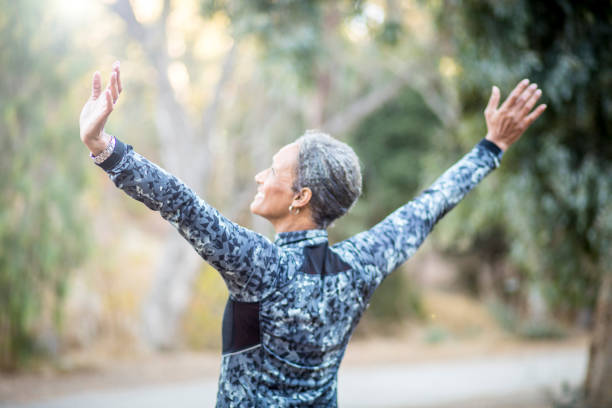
[
  {"x": 521, "y": 379},
  {"x": 381, "y": 373}
]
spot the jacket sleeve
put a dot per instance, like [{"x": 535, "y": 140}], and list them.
[
  {"x": 391, "y": 242},
  {"x": 247, "y": 261}
]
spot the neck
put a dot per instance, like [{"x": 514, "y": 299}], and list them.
[{"x": 294, "y": 222}]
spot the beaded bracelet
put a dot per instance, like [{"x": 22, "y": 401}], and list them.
[{"x": 105, "y": 154}]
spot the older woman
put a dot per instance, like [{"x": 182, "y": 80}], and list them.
[{"x": 293, "y": 303}]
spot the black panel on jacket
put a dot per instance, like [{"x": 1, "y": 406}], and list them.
[
  {"x": 321, "y": 261},
  {"x": 240, "y": 326}
]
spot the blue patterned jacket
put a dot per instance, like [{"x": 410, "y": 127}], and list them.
[{"x": 293, "y": 303}]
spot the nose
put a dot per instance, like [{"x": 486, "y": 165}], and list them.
[{"x": 259, "y": 177}]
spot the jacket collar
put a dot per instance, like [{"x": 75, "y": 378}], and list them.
[{"x": 301, "y": 238}]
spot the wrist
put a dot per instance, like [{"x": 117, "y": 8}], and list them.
[
  {"x": 99, "y": 144},
  {"x": 106, "y": 153},
  {"x": 502, "y": 146}
]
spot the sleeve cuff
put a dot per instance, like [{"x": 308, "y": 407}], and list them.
[
  {"x": 492, "y": 147},
  {"x": 115, "y": 157}
]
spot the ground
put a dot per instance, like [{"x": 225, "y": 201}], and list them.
[{"x": 493, "y": 364}]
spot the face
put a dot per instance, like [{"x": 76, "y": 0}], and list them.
[{"x": 275, "y": 185}]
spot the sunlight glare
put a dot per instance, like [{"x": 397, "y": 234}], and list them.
[
  {"x": 176, "y": 44},
  {"x": 448, "y": 67},
  {"x": 356, "y": 29},
  {"x": 374, "y": 13},
  {"x": 213, "y": 39},
  {"x": 179, "y": 76},
  {"x": 75, "y": 11},
  {"x": 147, "y": 11}
]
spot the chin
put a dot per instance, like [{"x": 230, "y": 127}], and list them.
[{"x": 253, "y": 208}]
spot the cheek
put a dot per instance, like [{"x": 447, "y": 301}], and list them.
[{"x": 278, "y": 194}]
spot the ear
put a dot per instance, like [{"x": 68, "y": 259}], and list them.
[{"x": 302, "y": 198}]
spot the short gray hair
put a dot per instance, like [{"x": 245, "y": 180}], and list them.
[{"x": 330, "y": 168}]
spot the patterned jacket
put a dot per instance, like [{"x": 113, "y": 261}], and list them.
[{"x": 293, "y": 303}]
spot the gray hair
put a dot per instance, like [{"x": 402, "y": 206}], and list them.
[{"x": 330, "y": 168}]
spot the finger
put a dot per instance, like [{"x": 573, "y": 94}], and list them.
[
  {"x": 112, "y": 86},
  {"x": 534, "y": 115},
  {"x": 493, "y": 101},
  {"x": 109, "y": 102},
  {"x": 96, "y": 85},
  {"x": 531, "y": 102},
  {"x": 525, "y": 96},
  {"x": 515, "y": 94},
  {"x": 116, "y": 68},
  {"x": 104, "y": 105}
]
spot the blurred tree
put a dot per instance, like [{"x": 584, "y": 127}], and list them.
[
  {"x": 42, "y": 234},
  {"x": 351, "y": 56},
  {"x": 181, "y": 136},
  {"x": 557, "y": 182},
  {"x": 390, "y": 144}
]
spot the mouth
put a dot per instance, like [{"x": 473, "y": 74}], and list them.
[{"x": 259, "y": 195}]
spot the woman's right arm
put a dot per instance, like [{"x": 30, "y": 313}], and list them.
[{"x": 248, "y": 262}]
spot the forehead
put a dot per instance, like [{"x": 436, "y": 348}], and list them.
[{"x": 287, "y": 156}]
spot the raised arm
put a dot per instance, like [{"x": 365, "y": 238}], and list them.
[
  {"x": 392, "y": 241},
  {"x": 247, "y": 261}
]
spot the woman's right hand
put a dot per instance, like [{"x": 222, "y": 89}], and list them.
[{"x": 97, "y": 109}]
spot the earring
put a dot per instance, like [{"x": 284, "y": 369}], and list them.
[{"x": 297, "y": 210}]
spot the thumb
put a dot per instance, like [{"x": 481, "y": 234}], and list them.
[
  {"x": 493, "y": 101},
  {"x": 96, "y": 85}
]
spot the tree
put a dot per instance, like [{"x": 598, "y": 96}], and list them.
[
  {"x": 390, "y": 143},
  {"x": 180, "y": 136},
  {"x": 42, "y": 233},
  {"x": 559, "y": 178}
]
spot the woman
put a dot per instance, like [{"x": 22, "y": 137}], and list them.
[{"x": 294, "y": 303}]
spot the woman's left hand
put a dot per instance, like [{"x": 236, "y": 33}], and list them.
[{"x": 506, "y": 124}]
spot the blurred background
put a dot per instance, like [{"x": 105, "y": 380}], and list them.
[{"x": 97, "y": 292}]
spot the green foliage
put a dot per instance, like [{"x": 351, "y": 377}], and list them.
[
  {"x": 301, "y": 36},
  {"x": 390, "y": 143},
  {"x": 569, "y": 397},
  {"x": 396, "y": 299},
  {"x": 510, "y": 320},
  {"x": 41, "y": 233},
  {"x": 436, "y": 335},
  {"x": 285, "y": 29},
  {"x": 557, "y": 187}
]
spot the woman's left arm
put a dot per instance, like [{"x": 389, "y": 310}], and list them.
[
  {"x": 392, "y": 241},
  {"x": 396, "y": 238},
  {"x": 247, "y": 261}
]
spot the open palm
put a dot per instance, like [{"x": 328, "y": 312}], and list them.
[
  {"x": 97, "y": 109},
  {"x": 506, "y": 124}
]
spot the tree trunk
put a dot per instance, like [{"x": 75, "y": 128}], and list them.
[
  {"x": 598, "y": 386},
  {"x": 185, "y": 153},
  {"x": 170, "y": 293}
]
